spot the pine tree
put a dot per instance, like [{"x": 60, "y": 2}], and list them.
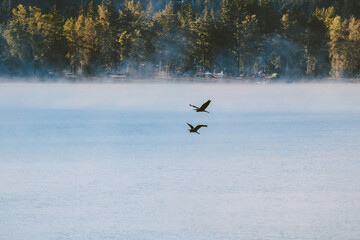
[
  {"x": 82, "y": 10},
  {"x": 82, "y": 36},
  {"x": 248, "y": 44},
  {"x": 353, "y": 61},
  {"x": 91, "y": 10},
  {"x": 72, "y": 44},
  {"x": 17, "y": 36},
  {"x": 187, "y": 18},
  {"x": 317, "y": 38},
  {"x": 108, "y": 33},
  {"x": 204, "y": 32},
  {"x": 267, "y": 18},
  {"x": 338, "y": 47},
  {"x": 168, "y": 42},
  {"x": 225, "y": 41},
  {"x": 326, "y": 15},
  {"x": 149, "y": 10},
  {"x": 316, "y": 49},
  {"x": 36, "y": 38},
  {"x": 53, "y": 47},
  {"x": 134, "y": 35},
  {"x": 292, "y": 55}
]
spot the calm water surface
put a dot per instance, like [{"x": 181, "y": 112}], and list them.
[{"x": 87, "y": 161}]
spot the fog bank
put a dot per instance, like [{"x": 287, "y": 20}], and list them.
[{"x": 164, "y": 96}]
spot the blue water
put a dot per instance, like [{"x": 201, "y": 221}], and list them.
[{"x": 117, "y": 162}]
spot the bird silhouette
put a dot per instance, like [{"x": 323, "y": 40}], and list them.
[
  {"x": 195, "y": 129},
  {"x": 202, "y": 108}
]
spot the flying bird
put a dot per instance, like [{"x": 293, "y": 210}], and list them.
[
  {"x": 195, "y": 129},
  {"x": 202, "y": 108}
]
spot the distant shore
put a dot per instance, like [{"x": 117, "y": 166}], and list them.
[{"x": 107, "y": 79}]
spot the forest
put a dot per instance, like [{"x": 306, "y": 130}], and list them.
[{"x": 297, "y": 39}]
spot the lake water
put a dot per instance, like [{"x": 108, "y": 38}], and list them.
[{"x": 116, "y": 161}]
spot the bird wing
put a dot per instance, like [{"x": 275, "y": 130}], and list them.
[
  {"x": 193, "y": 106},
  {"x": 199, "y": 126},
  {"x": 191, "y": 126},
  {"x": 205, "y": 105}
]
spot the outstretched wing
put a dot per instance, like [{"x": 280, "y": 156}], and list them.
[
  {"x": 191, "y": 126},
  {"x": 205, "y": 105},
  {"x": 199, "y": 126},
  {"x": 193, "y": 106}
]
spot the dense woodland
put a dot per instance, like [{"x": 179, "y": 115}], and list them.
[{"x": 296, "y": 39}]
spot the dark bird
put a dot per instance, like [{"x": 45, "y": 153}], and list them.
[
  {"x": 195, "y": 129},
  {"x": 202, "y": 108}
]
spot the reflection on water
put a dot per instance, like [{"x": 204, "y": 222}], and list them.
[{"x": 117, "y": 162}]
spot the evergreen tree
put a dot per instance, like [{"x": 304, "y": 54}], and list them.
[
  {"x": 204, "y": 32},
  {"x": 107, "y": 37},
  {"x": 225, "y": 39},
  {"x": 91, "y": 10},
  {"x": 36, "y": 38},
  {"x": 326, "y": 15},
  {"x": 316, "y": 49},
  {"x": 168, "y": 42},
  {"x": 82, "y": 10},
  {"x": 353, "y": 60},
  {"x": 267, "y": 18},
  {"x": 17, "y": 36},
  {"x": 72, "y": 45},
  {"x": 292, "y": 56},
  {"x": 83, "y": 40},
  {"x": 317, "y": 38},
  {"x": 134, "y": 35},
  {"x": 248, "y": 44},
  {"x": 338, "y": 47},
  {"x": 187, "y": 18},
  {"x": 53, "y": 47},
  {"x": 149, "y": 10}
]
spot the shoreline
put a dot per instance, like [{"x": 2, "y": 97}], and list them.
[{"x": 175, "y": 80}]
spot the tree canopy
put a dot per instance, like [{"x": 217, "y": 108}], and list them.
[{"x": 295, "y": 39}]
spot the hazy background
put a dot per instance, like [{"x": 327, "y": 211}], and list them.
[
  {"x": 176, "y": 97},
  {"x": 115, "y": 161}
]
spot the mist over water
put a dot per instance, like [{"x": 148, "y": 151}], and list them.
[
  {"x": 115, "y": 161},
  {"x": 176, "y": 96}
]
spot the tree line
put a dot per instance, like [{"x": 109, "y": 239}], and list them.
[{"x": 305, "y": 39}]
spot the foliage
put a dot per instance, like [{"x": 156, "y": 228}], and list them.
[
  {"x": 36, "y": 38},
  {"x": 298, "y": 38},
  {"x": 338, "y": 46},
  {"x": 134, "y": 35}
]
